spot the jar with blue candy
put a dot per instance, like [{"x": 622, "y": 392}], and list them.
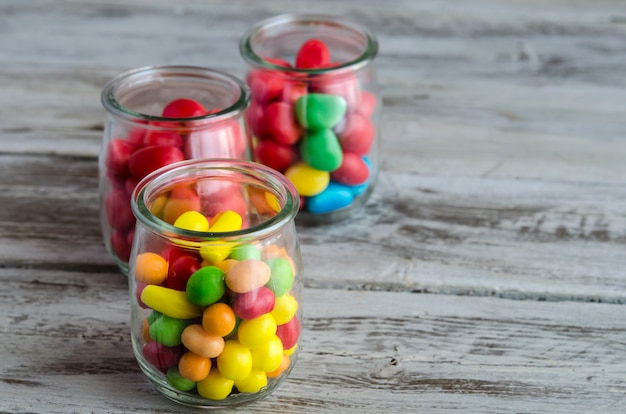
[
  {"x": 315, "y": 108},
  {"x": 215, "y": 279}
]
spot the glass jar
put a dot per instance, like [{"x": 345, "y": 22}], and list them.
[
  {"x": 215, "y": 292},
  {"x": 157, "y": 116},
  {"x": 315, "y": 108}
]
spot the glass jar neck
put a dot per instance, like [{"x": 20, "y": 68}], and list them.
[{"x": 356, "y": 45}]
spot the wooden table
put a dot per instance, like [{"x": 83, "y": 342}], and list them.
[{"x": 486, "y": 273}]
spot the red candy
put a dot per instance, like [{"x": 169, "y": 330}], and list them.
[
  {"x": 117, "y": 207},
  {"x": 161, "y": 356},
  {"x": 292, "y": 91},
  {"x": 282, "y": 123},
  {"x": 183, "y": 108},
  {"x": 255, "y": 303},
  {"x": 265, "y": 85},
  {"x": 275, "y": 155},
  {"x": 289, "y": 333},
  {"x": 356, "y": 133},
  {"x": 313, "y": 54},
  {"x": 353, "y": 170},
  {"x": 159, "y": 137},
  {"x": 180, "y": 270},
  {"x": 149, "y": 159},
  {"x": 117, "y": 158},
  {"x": 119, "y": 245}
]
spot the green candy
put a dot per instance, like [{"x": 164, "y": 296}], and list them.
[
  {"x": 206, "y": 286},
  {"x": 245, "y": 252},
  {"x": 320, "y": 111},
  {"x": 167, "y": 331},
  {"x": 178, "y": 381},
  {"x": 281, "y": 277},
  {"x": 154, "y": 315},
  {"x": 321, "y": 150}
]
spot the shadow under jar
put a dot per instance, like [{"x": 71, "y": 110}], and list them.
[
  {"x": 315, "y": 108},
  {"x": 214, "y": 294},
  {"x": 157, "y": 116}
]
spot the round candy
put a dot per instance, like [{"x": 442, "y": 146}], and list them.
[
  {"x": 352, "y": 171},
  {"x": 245, "y": 251},
  {"x": 254, "y": 303},
  {"x": 255, "y": 332},
  {"x": 312, "y": 54},
  {"x": 149, "y": 159},
  {"x": 307, "y": 180},
  {"x": 206, "y": 286},
  {"x": 284, "y": 364},
  {"x": 194, "y": 367},
  {"x": 267, "y": 357},
  {"x": 215, "y": 386},
  {"x": 281, "y": 275},
  {"x": 180, "y": 270},
  {"x": 183, "y": 108},
  {"x": 335, "y": 197},
  {"x": 319, "y": 111},
  {"x": 178, "y": 381},
  {"x": 247, "y": 275},
  {"x": 235, "y": 362},
  {"x": 289, "y": 332},
  {"x": 285, "y": 308},
  {"x": 282, "y": 124},
  {"x": 219, "y": 319},
  {"x": 160, "y": 356},
  {"x": 150, "y": 268},
  {"x": 253, "y": 382},
  {"x": 167, "y": 331}
]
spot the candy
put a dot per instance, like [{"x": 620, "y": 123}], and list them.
[
  {"x": 205, "y": 344},
  {"x": 235, "y": 362},
  {"x": 253, "y": 333},
  {"x": 192, "y": 220},
  {"x": 180, "y": 270},
  {"x": 170, "y": 302},
  {"x": 194, "y": 367},
  {"x": 285, "y": 309},
  {"x": 245, "y": 251},
  {"x": 167, "y": 331},
  {"x": 160, "y": 137},
  {"x": 178, "y": 381},
  {"x": 275, "y": 155},
  {"x": 265, "y": 85},
  {"x": 181, "y": 200},
  {"x": 219, "y": 319},
  {"x": 320, "y": 111},
  {"x": 289, "y": 332},
  {"x": 321, "y": 150},
  {"x": 117, "y": 208},
  {"x": 335, "y": 197},
  {"x": 268, "y": 356},
  {"x": 183, "y": 108},
  {"x": 160, "y": 356},
  {"x": 312, "y": 54},
  {"x": 118, "y": 154},
  {"x": 281, "y": 276},
  {"x": 307, "y": 180},
  {"x": 284, "y": 364},
  {"x": 356, "y": 134},
  {"x": 352, "y": 171},
  {"x": 215, "y": 386},
  {"x": 247, "y": 275},
  {"x": 254, "y": 303},
  {"x": 282, "y": 124},
  {"x": 150, "y": 268},
  {"x": 253, "y": 382},
  {"x": 206, "y": 286},
  {"x": 149, "y": 159}
]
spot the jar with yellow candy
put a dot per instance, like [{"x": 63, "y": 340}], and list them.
[{"x": 215, "y": 281}]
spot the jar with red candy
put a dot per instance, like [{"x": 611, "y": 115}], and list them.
[
  {"x": 315, "y": 108},
  {"x": 157, "y": 116},
  {"x": 215, "y": 281}
]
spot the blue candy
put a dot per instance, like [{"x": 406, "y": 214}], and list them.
[{"x": 336, "y": 196}]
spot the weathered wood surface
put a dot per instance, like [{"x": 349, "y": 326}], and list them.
[{"x": 486, "y": 273}]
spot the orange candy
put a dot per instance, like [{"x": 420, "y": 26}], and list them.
[
  {"x": 197, "y": 340},
  {"x": 284, "y": 364},
  {"x": 219, "y": 319},
  {"x": 193, "y": 366},
  {"x": 151, "y": 268}
]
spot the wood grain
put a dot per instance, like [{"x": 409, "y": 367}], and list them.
[{"x": 485, "y": 274}]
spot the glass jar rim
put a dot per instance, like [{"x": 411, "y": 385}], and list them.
[
  {"x": 371, "y": 48},
  {"x": 113, "y": 106},
  {"x": 275, "y": 181}
]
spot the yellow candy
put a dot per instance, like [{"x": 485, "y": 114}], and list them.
[
  {"x": 290, "y": 351},
  {"x": 267, "y": 357},
  {"x": 170, "y": 302},
  {"x": 235, "y": 361},
  {"x": 254, "y": 333},
  {"x": 192, "y": 220},
  {"x": 215, "y": 252},
  {"x": 215, "y": 386},
  {"x": 307, "y": 180},
  {"x": 253, "y": 382},
  {"x": 226, "y": 221},
  {"x": 284, "y": 309}
]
